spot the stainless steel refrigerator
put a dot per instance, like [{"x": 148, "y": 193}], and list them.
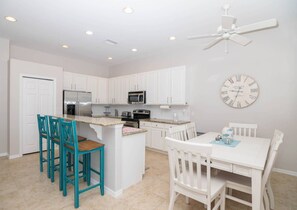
[{"x": 77, "y": 103}]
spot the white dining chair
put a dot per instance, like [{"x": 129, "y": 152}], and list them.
[
  {"x": 178, "y": 132},
  {"x": 243, "y": 184},
  {"x": 189, "y": 180},
  {"x": 243, "y": 129},
  {"x": 191, "y": 130}
]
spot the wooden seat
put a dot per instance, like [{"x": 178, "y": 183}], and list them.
[
  {"x": 87, "y": 145},
  {"x": 79, "y": 138}
]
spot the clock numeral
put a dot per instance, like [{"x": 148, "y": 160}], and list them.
[
  {"x": 231, "y": 81},
  {"x": 226, "y": 98},
  {"x": 238, "y": 78},
  {"x": 254, "y": 90},
  {"x": 247, "y": 103},
  {"x": 252, "y": 83},
  {"x": 238, "y": 105},
  {"x": 224, "y": 92},
  {"x": 252, "y": 97}
]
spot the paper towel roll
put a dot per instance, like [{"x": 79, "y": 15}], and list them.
[{"x": 165, "y": 107}]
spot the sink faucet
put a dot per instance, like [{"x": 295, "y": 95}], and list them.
[{"x": 116, "y": 112}]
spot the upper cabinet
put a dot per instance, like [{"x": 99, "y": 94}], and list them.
[
  {"x": 166, "y": 86},
  {"x": 98, "y": 87},
  {"x": 73, "y": 81},
  {"x": 172, "y": 86}
]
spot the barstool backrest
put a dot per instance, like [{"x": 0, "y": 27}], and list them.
[
  {"x": 54, "y": 127},
  {"x": 68, "y": 134},
  {"x": 43, "y": 125}
]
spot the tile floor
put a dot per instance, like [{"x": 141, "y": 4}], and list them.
[{"x": 22, "y": 186}]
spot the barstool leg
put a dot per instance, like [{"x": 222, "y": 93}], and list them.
[
  {"x": 40, "y": 155},
  {"x": 76, "y": 181},
  {"x": 52, "y": 161},
  {"x": 69, "y": 161},
  {"x": 60, "y": 167},
  {"x": 102, "y": 171},
  {"x": 48, "y": 157},
  {"x": 64, "y": 168},
  {"x": 89, "y": 169},
  {"x": 85, "y": 167}
]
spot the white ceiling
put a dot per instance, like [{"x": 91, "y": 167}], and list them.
[{"x": 47, "y": 24}]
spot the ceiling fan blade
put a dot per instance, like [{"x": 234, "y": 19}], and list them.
[
  {"x": 240, "y": 39},
  {"x": 228, "y": 21},
  {"x": 203, "y": 36},
  {"x": 213, "y": 42},
  {"x": 257, "y": 26}
]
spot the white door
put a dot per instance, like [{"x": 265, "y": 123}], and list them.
[
  {"x": 111, "y": 90},
  {"x": 157, "y": 138},
  {"x": 38, "y": 97},
  {"x": 164, "y": 86},
  {"x": 178, "y": 85},
  {"x": 103, "y": 91},
  {"x": 132, "y": 82},
  {"x": 80, "y": 82},
  {"x": 92, "y": 86},
  {"x": 141, "y": 81}
]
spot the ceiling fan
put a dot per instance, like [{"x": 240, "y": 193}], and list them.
[{"x": 229, "y": 31}]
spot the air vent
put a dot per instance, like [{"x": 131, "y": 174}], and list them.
[{"x": 111, "y": 42}]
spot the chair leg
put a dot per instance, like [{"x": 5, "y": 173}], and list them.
[
  {"x": 187, "y": 200},
  {"x": 40, "y": 155},
  {"x": 88, "y": 169},
  {"x": 172, "y": 200},
  {"x": 266, "y": 201},
  {"x": 76, "y": 181},
  {"x": 64, "y": 168},
  {"x": 52, "y": 161},
  {"x": 61, "y": 168},
  {"x": 102, "y": 171},
  {"x": 85, "y": 167},
  {"x": 69, "y": 161},
  {"x": 270, "y": 195},
  {"x": 223, "y": 197},
  {"x": 48, "y": 152}
]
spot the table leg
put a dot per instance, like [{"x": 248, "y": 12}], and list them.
[{"x": 256, "y": 189}]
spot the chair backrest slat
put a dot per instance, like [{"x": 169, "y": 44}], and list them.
[
  {"x": 68, "y": 134},
  {"x": 178, "y": 132},
  {"x": 242, "y": 129},
  {"x": 182, "y": 156},
  {"x": 191, "y": 130},
  {"x": 42, "y": 125},
  {"x": 54, "y": 127}
]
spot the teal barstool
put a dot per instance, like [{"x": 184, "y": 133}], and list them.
[
  {"x": 55, "y": 140},
  {"x": 70, "y": 144},
  {"x": 44, "y": 134}
]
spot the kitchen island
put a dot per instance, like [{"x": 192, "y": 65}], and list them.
[{"x": 124, "y": 150}]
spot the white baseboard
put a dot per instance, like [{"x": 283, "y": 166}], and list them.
[
  {"x": 283, "y": 171},
  {"x": 109, "y": 191},
  {"x": 15, "y": 156},
  {"x": 3, "y": 154}
]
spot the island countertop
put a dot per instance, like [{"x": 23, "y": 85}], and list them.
[
  {"x": 102, "y": 121},
  {"x": 131, "y": 131}
]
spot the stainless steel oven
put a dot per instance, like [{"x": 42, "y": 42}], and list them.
[{"x": 137, "y": 97}]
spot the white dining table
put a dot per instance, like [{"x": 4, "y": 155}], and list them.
[{"x": 248, "y": 158}]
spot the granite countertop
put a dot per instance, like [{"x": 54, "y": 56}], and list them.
[
  {"x": 179, "y": 122},
  {"x": 130, "y": 131},
  {"x": 103, "y": 121},
  {"x": 110, "y": 116}
]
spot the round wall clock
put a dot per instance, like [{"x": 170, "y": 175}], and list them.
[{"x": 240, "y": 91}]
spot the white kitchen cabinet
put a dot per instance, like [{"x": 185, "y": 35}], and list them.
[
  {"x": 172, "y": 85},
  {"x": 157, "y": 140},
  {"x": 111, "y": 91},
  {"x": 152, "y": 86},
  {"x": 74, "y": 81},
  {"x": 118, "y": 90},
  {"x": 98, "y": 87},
  {"x": 137, "y": 82}
]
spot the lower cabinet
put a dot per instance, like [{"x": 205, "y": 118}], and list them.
[{"x": 155, "y": 137}]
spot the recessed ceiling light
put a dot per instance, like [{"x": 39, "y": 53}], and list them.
[
  {"x": 128, "y": 10},
  {"x": 172, "y": 38},
  {"x": 109, "y": 58},
  {"x": 134, "y": 50},
  {"x": 89, "y": 32},
  {"x": 11, "y": 19},
  {"x": 65, "y": 46}
]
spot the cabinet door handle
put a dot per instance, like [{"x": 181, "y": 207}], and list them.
[
  {"x": 137, "y": 87},
  {"x": 98, "y": 100}
]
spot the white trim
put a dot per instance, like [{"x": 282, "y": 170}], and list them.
[
  {"x": 3, "y": 154},
  {"x": 14, "y": 156},
  {"x": 109, "y": 191},
  {"x": 283, "y": 171},
  {"x": 21, "y": 104}
]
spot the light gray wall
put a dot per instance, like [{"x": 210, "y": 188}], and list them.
[
  {"x": 68, "y": 64},
  {"x": 270, "y": 59},
  {"x": 4, "y": 57},
  {"x": 19, "y": 68}
]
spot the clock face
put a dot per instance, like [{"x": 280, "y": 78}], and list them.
[{"x": 239, "y": 91}]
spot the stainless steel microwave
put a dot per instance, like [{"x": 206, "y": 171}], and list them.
[{"x": 137, "y": 97}]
